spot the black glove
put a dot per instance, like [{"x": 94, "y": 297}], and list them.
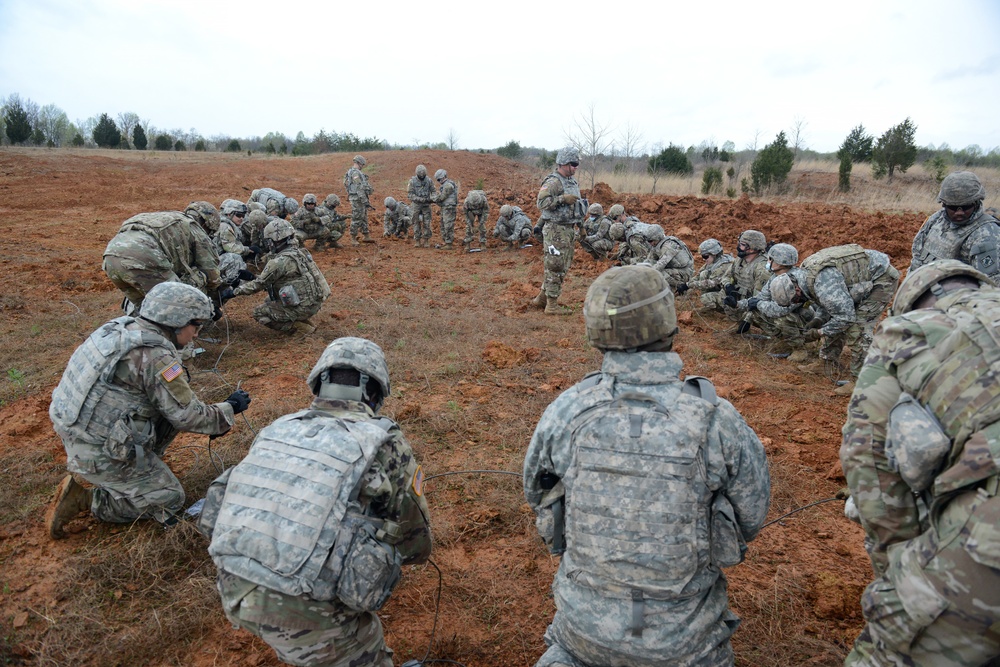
[
  {"x": 752, "y": 303},
  {"x": 537, "y": 231},
  {"x": 255, "y": 251},
  {"x": 240, "y": 400},
  {"x": 216, "y": 312},
  {"x": 246, "y": 275},
  {"x": 732, "y": 290},
  {"x": 683, "y": 287},
  {"x": 813, "y": 334},
  {"x": 743, "y": 328},
  {"x": 730, "y": 301},
  {"x": 225, "y": 294}
]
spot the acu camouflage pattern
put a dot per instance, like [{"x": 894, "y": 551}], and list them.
[
  {"x": 595, "y": 236},
  {"x": 358, "y": 192},
  {"x": 936, "y": 598},
  {"x": 116, "y": 413},
  {"x": 514, "y": 230},
  {"x": 673, "y": 259},
  {"x": 786, "y": 324},
  {"x": 304, "y": 631},
  {"x": 975, "y": 242},
  {"x": 597, "y": 611},
  {"x": 291, "y": 266},
  {"x": 477, "y": 210},
  {"x": 272, "y": 201},
  {"x": 447, "y": 198},
  {"x": 167, "y": 246},
  {"x": 634, "y": 247},
  {"x": 419, "y": 192},
  {"x": 396, "y": 221},
  {"x": 710, "y": 280}
]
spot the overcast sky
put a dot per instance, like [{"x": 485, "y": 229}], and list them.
[{"x": 488, "y": 72}]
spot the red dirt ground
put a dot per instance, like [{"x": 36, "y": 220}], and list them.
[{"x": 472, "y": 370}]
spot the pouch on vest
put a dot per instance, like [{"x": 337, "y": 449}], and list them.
[
  {"x": 915, "y": 443},
  {"x": 125, "y": 437},
  {"x": 213, "y": 503},
  {"x": 288, "y": 296},
  {"x": 371, "y": 568},
  {"x": 728, "y": 545}
]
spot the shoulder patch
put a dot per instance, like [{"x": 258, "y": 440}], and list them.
[{"x": 171, "y": 372}]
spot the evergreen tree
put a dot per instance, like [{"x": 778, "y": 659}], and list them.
[
  {"x": 895, "y": 150},
  {"x": 858, "y": 145},
  {"x": 671, "y": 160},
  {"x": 16, "y": 123},
  {"x": 772, "y": 165},
  {"x": 106, "y": 134},
  {"x": 139, "y": 139}
]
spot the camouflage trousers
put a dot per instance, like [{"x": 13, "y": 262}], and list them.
[
  {"x": 359, "y": 217},
  {"x": 788, "y": 329},
  {"x": 135, "y": 277},
  {"x": 276, "y": 315},
  {"x": 938, "y": 602},
  {"x": 677, "y": 276},
  {"x": 713, "y": 300},
  {"x": 557, "y": 249},
  {"x": 599, "y": 249},
  {"x": 143, "y": 488},
  {"x": 858, "y": 337},
  {"x": 421, "y": 219},
  {"x": 470, "y": 227},
  {"x": 399, "y": 229},
  {"x": 448, "y": 216},
  {"x": 318, "y": 231},
  {"x": 303, "y": 631}
]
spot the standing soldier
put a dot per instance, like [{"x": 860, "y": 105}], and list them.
[
  {"x": 714, "y": 274},
  {"x": 296, "y": 288},
  {"x": 447, "y": 198},
  {"x": 513, "y": 226},
  {"x": 358, "y": 192},
  {"x": 121, "y": 401},
  {"x": 562, "y": 210},
  {"x": 961, "y": 230},
  {"x": 333, "y": 220},
  {"x": 419, "y": 192},
  {"x": 477, "y": 209},
  {"x": 646, "y": 503},
  {"x": 396, "y": 221},
  {"x": 595, "y": 235}
]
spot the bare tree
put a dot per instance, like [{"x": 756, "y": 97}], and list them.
[
  {"x": 593, "y": 139},
  {"x": 127, "y": 120},
  {"x": 798, "y": 135},
  {"x": 452, "y": 139}
]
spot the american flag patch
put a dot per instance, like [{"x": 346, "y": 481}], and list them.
[{"x": 172, "y": 371}]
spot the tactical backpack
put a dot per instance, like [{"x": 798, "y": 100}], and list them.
[{"x": 851, "y": 260}]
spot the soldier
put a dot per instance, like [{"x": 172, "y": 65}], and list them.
[
  {"x": 275, "y": 203},
  {"x": 784, "y": 324},
  {"x": 121, "y": 401},
  {"x": 206, "y": 215},
  {"x": 562, "y": 210},
  {"x": 513, "y": 227},
  {"x": 477, "y": 209},
  {"x": 749, "y": 276},
  {"x": 335, "y": 222},
  {"x": 230, "y": 236},
  {"x": 714, "y": 274},
  {"x": 848, "y": 287},
  {"x": 396, "y": 221},
  {"x": 419, "y": 192},
  {"x": 961, "y": 230},
  {"x": 152, "y": 248},
  {"x": 594, "y": 233},
  {"x": 358, "y": 192},
  {"x": 309, "y": 531},
  {"x": 919, "y": 453},
  {"x": 671, "y": 257},
  {"x": 646, "y": 536},
  {"x": 296, "y": 288},
  {"x": 447, "y": 198},
  {"x": 311, "y": 223}
]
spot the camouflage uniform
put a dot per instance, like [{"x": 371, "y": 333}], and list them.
[
  {"x": 419, "y": 192},
  {"x": 615, "y": 612},
  {"x": 849, "y": 287},
  {"x": 358, "y": 192},
  {"x": 594, "y": 236},
  {"x": 305, "y": 630},
  {"x": 515, "y": 230},
  {"x": 975, "y": 242},
  {"x": 152, "y": 248},
  {"x": 230, "y": 239},
  {"x": 272, "y": 201},
  {"x": 936, "y": 597},
  {"x": 786, "y": 324},
  {"x": 477, "y": 209},
  {"x": 712, "y": 278},
  {"x": 396, "y": 222},
  {"x": 290, "y": 266},
  {"x": 314, "y": 224},
  {"x": 634, "y": 247},
  {"x": 673, "y": 259},
  {"x": 333, "y": 220},
  {"x": 447, "y": 198},
  {"x": 558, "y": 220},
  {"x": 123, "y": 398},
  {"x": 749, "y": 278}
]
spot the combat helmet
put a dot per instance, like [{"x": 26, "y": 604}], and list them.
[
  {"x": 567, "y": 155},
  {"x": 440, "y": 175},
  {"x": 176, "y": 305},
  {"x": 596, "y": 210},
  {"x": 277, "y": 231},
  {"x": 291, "y": 206},
  {"x": 926, "y": 278},
  {"x": 754, "y": 239},
  {"x": 231, "y": 206},
  {"x": 390, "y": 203},
  {"x": 616, "y": 232},
  {"x": 783, "y": 290},
  {"x": 628, "y": 307},
  {"x": 506, "y": 211},
  {"x": 205, "y": 215},
  {"x": 961, "y": 187},
  {"x": 309, "y": 199},
  {"x": 360, "y": 354},
  {"x": 710, "y": 247},
  {"x": 332, "y": 201},
  {"x": 784, "y": 254},
  {"x": 421, "y": 171},
  {"x": 616, "y": 211},
  {"x": 360, "y": 160}
]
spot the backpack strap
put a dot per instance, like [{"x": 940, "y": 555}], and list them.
[{"x": 702, "y": 387}]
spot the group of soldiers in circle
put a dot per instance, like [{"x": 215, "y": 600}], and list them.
[{"x": 310, "y": 529}]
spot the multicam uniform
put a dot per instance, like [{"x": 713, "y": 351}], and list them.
[
  {"x": 123, "y": 398},
  {"x": 477, "y": 210},
  {"x": 303, "y": 616},
  {"x": 711, "y": 279},
  {"x": 314, "y": 224},
  {"x": 749, "y": 278},
  {"x": 293, "y": 267},
  {"x": 333, "y": 220},
  {"x": 975, "y": 242},
  {"x": 558, "y": 221},
  {"x": 594, "y": 236},
  {"x": 786, "y": 324},
  {"x": 850, "y": 288},
  {"x": 447, "y": 198},
  {"x": 514, "y": 230},
  {"x": 673, "y": 259},
  {"x": 153, "y": 248},
  {"x": 617, "y": 601},
  {"x": 358, "y": 192},
  {"x": 936, "y": 597},
  {"x": 419, "y": 193},
  {"x": 396, "y": 222}
]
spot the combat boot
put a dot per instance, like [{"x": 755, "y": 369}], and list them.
[
  {"x": 539, "y": 301},
  {"x": 355, "y": 241},
  {"x": 448, "y": 246},
  {"x": 368, "y": 239},
  {"x": 304, "y": 327},
  {"x": 845, "y": 389},
  {"x": 70, "y": 500},
  {"x": 319, "y": 247},
  {"x": 798, "y": 356},
  {"x": 552, "y": 306}
]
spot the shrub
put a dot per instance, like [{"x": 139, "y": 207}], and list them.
[
  {"x": 163, "y": 142},
  {"x": 234, "y": 146},
  {"x": 512, "y": 150},
  {"x": 895, "y": 150},
  {"x": 179, "y": 146},
  {"x": 772, "y": 165},
  {"x": 200, "y": 145},
  {"x": 844, "y": 173},
  {"x": 672, "y": 160},
  {"x": 938, "y": 167},
  {"x": 711, "y": 181},
  {"x": 78, "y": 140}
]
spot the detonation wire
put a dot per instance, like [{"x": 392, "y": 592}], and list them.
[{"x": 799, "y": 509}]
